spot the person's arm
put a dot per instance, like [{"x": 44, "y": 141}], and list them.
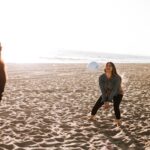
[
  {"x": 115, "y": 88},
  {"x": 101, "y": 85},
  {"x": 0, "y": 50},
  {"x": 0, "y": 47}
]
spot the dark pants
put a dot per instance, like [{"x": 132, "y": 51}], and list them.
[{"x": 116, "y": 102}]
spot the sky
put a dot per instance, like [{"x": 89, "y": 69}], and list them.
[{"x": 33, "y": 28}]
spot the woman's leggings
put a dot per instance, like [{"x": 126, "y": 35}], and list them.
[{"x": 116, "y": 102}]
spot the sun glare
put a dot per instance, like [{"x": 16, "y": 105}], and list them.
[{"x": 30, "y": 55}]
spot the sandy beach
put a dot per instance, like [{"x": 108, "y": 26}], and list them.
[{"x": 46, "y": 106}]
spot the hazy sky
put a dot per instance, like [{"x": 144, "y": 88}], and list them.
[{"x": 39, "y": 27}]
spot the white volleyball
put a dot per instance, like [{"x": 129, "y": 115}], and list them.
[{"x": 93, "y": 66}]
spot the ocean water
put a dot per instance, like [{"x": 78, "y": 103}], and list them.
[
  {"x": 63, "y": 56},
  {"x": 86, "y": 57}
]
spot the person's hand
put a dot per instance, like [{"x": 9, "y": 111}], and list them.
[{"x": 106, "y": 105}]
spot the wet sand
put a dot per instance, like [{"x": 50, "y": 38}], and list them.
[{"x": 45, "y": 107}]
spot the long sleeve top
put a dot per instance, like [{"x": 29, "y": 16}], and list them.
[{"x": 110, "y": 87}]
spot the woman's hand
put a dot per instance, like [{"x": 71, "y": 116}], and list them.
[{"x": 106, "y": 105}]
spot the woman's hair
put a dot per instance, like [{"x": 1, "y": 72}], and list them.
[{"x": 114, "y": 71}]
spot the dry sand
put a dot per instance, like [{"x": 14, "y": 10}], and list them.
[{"x": 45, "y": 107}]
